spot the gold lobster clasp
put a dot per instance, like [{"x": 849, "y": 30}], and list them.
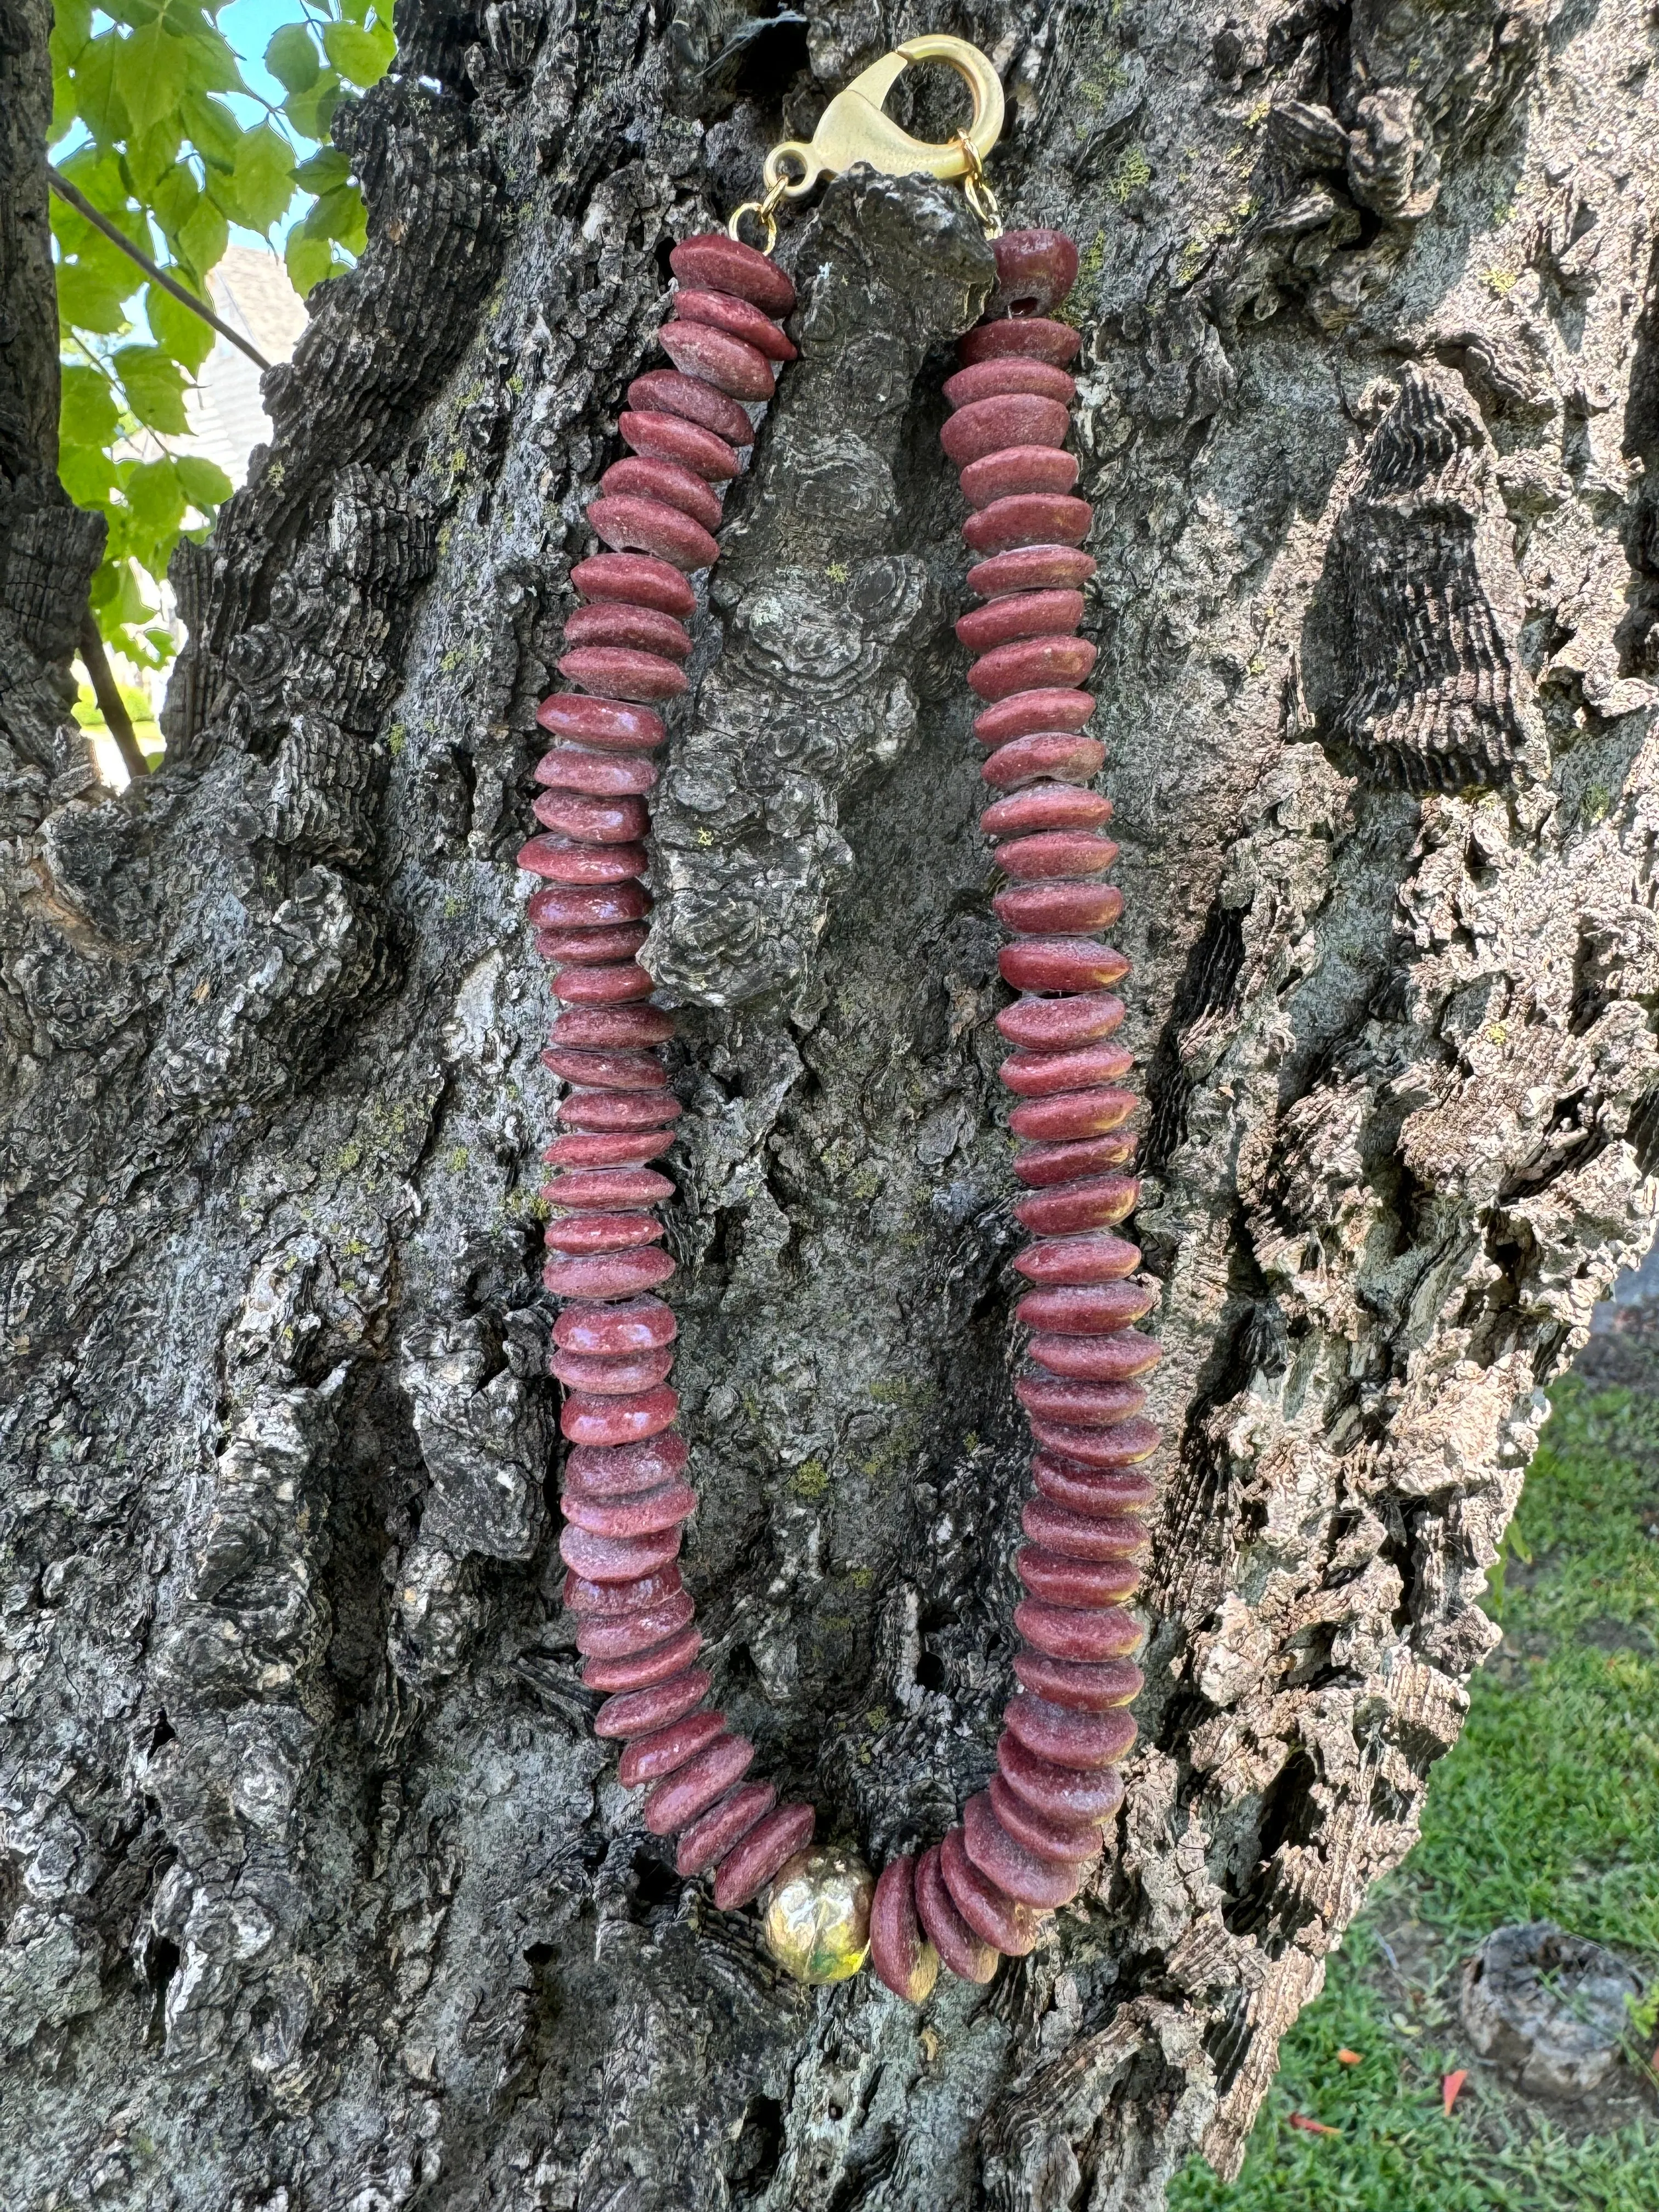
[{"x": 853, "y": 128}]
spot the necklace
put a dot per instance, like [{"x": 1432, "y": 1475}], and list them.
[{"x": 1024, "y": 1844}]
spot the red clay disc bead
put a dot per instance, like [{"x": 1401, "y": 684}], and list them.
[
  {"x": 1050, "y": 753},
  {"x": 613, "y": 1027},
  {"x": 1031, "y": 568},
  {"x": 1079, "y": 1535},
  {"x": 640, "y": 1326},
  {"x": 639, "y": 1670},
  {"x": 1035, "y": 270},
  {"x": 604, "y": 1110},
  {"x": 1031, "y": 664},
  {"x": 563, "y": 861},
  {"x": 670, "y": 438},
  {"x": 899, "y": 1952},
  {"x": 601, "y": 1232},
  {"x": 1028, "y": 337},
  {"x": 1049, "y": 853},
  {"x": 1096, "y": 1310},
  {"x": 597, "y": 1150},
  {"x": 1074, "y": 1113},
  {"x": 1018, "y": 469},
  {"x": 674, "y": 1804},
  {"x": 1091, "y": 1203},
  {"x": 637, "y": 579},
  {"x": 617, "y": 1559},
  {"x": 607, "y": 724},
  {"x": 609, "y": 1485},
  {"x": 730, "y": 364},
  {"x": 641, "y": 629},
  {"x": 590, "y": 1418},
  {"x": 608, "y": 1275},
  {"x": 1011, "y": 418},
  {"x": 1048, "y": 806},
  {"x": 607, "y": 1071},
  {"x": 1087, "y": 1634},
  {"x": 1022, "y": 614},
  {"x": 616, "y": 671},
  {"x": 666, "y": 1750},
  {"x": 639, "y": 1371},
  {"x": 1086, "y": 1689},
  {"x": 751, "y": 1864},
  {"x": 666, "y": 391},
  {"x": 969, "y": 1956},
  {"x": 1050, "y": 1025},
  {"x": 1124, "y": 1445},
  {"x": 1027, "y": 517},
  {"x": 1065, "y": 1793},
  {"x": 1041, "y": 1166},
  {"x": 996, "y": 1919},
  {"x": 1091, "y": 1405},
  {"x": 616, "y": 942},
  {"x": 741, "y": 317},
  {"x": 595, "y": 821},
  {"x": 1040, "y": 1884},
  {"x": 1097, "y": 1359},
  {"x": 1029, "y": 712},
  {"x": 724, "y": 264},
  {"x": 1062, "y": 907},
  {"x": 620, "y": 1637},
  {"x": 636, "y": 1712},
  {"x": 668, "y": 481},
  {"x": 715, "y": 1831},
  {"x": 1067, "y": 1736},
  {"x": 1043, "y": 1837},
  {"x": 624, "y": 1187},
  {"x": 609, "y": 1600},
  {"x": 1041, "y": 1074},
  {"x": 988, "y": 380},
  {"x": 600, "y": 775},
  {"x": 649, "y": 525},
  {"x": 618, "y": 986},
  {"x": 1059, "y": 963},
  {"x": 631, "y": 1467}
]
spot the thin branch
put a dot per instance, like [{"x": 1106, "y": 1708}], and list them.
[
  {"x": 108, "y": 692},
  {"x": 78, "y": 200}
]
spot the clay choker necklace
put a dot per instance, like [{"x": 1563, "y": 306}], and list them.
[{"x": 1024, "y": 1846}]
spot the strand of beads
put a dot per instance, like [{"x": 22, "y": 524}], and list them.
[
  {"x": 1024, "y": 1846},
  {"x": 625, "y": 1496}
]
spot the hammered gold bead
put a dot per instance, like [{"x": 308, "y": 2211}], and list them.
[{"x": 817, "y": 1914}]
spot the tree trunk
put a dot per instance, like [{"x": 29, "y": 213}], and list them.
[{"x": 320, "y": 1893}]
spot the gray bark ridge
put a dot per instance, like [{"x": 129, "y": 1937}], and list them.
[{"x": 316, "y": 1888}]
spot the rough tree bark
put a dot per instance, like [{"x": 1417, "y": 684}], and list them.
[{"x": 318, "y": 1892}]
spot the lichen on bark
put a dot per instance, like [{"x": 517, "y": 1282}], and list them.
[{"x": 316, "y": 1888}]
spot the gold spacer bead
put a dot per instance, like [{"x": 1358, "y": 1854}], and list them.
[{"x": 817, "y": 1923}]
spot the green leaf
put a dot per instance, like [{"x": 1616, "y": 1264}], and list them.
[
  {"x": 210, "y": 64},
  {"x": 326, "y": 168},
  {"x": 88, "y": 300},
  {"x": 309, "y": 260},
  {"x": 263, "y": 176},
  {"x": 88, "y": 413},
  {"x": 202, "y": 238},
  {"x": 292, "y": 59},
  {"x": 151, "y": 75},
  {"x": 312, "y": 111},
  {"x": 87, "y": 474},
  {"x": 156, "y": 497},
  {"x": 151, "y": 157},
  {"x": 96, "y": 93},
  {"x": 340, "y": 214},
  {"x": 213, "y": 130},
  {"x": 65, "y": 112},
  {"x": 71, "y": 27},
  {"x": 361, "y": 54},
  {"x": 176, "y": 328},
  {"x": 155, "y": 387},
  {"x": 206, "y": 485}
]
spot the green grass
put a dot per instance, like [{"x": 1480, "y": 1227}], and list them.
[{"x": 1548, "y": 1808}]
